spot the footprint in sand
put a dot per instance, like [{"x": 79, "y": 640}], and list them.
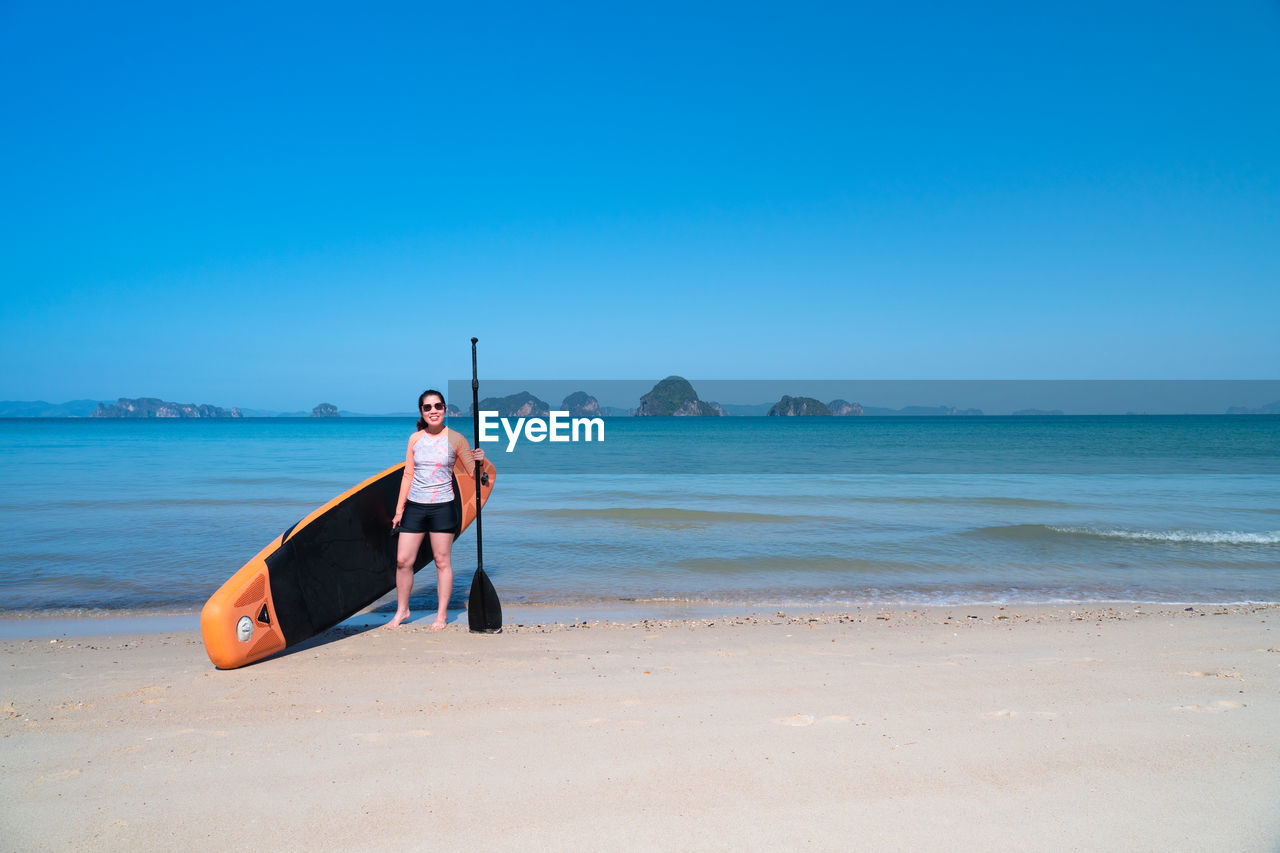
[
  {"x": 142, "y": 694},
  {"x": 1223, "y": 705}
]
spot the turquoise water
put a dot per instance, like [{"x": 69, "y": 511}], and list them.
[{"x": 127, "y": 516}]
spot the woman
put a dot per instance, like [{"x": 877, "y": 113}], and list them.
[{"x": 426, "y": 506}]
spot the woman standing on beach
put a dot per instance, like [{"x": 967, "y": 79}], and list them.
[{"x": 426, "y": 506}]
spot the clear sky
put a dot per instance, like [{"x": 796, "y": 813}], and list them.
[{"x": 269, "y": 205}]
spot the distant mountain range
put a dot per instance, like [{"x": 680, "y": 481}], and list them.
[
  {"x": 153, "y": 407},
  {"x": 41, "y": 409},
  {"x": 1268, "y": 409}
]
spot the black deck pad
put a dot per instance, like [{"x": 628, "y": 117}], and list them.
[{"x": 342, "y": 561}]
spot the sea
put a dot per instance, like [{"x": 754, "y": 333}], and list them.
[{"x": 117, "y": 517}]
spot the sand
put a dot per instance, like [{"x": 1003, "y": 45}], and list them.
[{"x": 1018, "y": 728}]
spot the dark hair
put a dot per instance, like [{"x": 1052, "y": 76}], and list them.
[{"x": 430, "y": 392}]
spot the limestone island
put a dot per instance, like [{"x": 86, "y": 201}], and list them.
[
  {"x": 580, "y": 404},
  {"x": 675, "y": 396},
  {"x": 843, "y": 408},
  {"x": 520, "y": 405},
  {"x": 798, "y": 407},
  {"x": 154, "y": 407}
]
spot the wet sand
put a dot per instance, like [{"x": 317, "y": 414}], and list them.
[{"x": 1018, "y": 728}]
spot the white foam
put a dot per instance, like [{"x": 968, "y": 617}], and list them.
[{"x": 1203, "y": 537}]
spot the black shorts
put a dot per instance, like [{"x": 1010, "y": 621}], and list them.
[{"x": 429, "y": 518}]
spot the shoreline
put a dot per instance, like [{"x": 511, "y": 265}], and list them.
[
  {"x": 37, "y": 624},
  {"x": 942, "y": 728}
]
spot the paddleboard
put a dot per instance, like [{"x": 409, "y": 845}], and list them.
[{"x": 329, "y": 566}]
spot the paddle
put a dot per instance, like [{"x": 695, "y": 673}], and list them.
[{"x": 484, "y": 611}]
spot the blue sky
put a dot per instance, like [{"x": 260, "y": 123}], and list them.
[{"x": 270, "y": 207}]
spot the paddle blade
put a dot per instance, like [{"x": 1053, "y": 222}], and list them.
[{"x": 484, "y": 611}]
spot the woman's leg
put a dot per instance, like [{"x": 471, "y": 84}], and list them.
[
  {"x": 406, "y": 553},
  {"x": 442, "y": 550}
]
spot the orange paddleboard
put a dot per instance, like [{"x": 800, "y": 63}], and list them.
[{"x": 329, "y": 566}]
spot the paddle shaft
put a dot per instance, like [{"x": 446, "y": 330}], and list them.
[{"x": 475, "y": 426}]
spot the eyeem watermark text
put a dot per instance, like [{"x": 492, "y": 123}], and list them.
[{"x": 559, "y": 427}]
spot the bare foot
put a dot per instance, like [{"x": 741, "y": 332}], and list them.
[
  {"x": 439, "y": 624},
  {"x": 400, "y": 616}
]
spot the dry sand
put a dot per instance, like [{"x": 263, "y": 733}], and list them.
[{"x": 1090, "y": 728}]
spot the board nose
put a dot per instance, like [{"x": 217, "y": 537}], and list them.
[{"x": 238, "y": 624}]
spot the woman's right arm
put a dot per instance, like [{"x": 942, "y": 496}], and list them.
[{"x": 405, "y": 482}]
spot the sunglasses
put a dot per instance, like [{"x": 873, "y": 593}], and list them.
[{"x": 427, "y": 407}]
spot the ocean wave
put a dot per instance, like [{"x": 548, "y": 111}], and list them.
[
  {"x": 816, "y": 565},
  {"x": 109, "y": 504},
  {"x": 994, "y": 500},
  {"x": 1066, "y": 533},
  {"x": 666, "y": 515}
]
